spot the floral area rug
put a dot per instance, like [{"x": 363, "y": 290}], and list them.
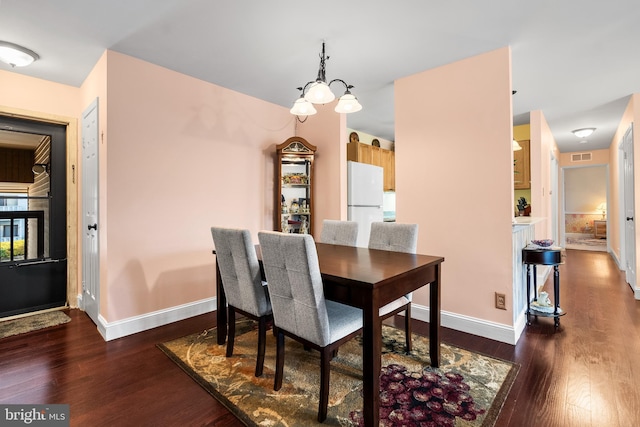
[
  {"x": 468, "y": 389},
  {"x": 32, "y": 323}
]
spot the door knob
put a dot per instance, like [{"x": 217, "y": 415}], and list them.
[
  {"x": 629, "y": 218},
  {"x": 94, "y": 226}
]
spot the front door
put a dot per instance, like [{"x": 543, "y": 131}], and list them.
[{"x": 33, "y": 224}]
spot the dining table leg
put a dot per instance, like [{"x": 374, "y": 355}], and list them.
[
  {"x": 434, "y": 320},
  {"x": 371, "y": 361},
  {"x": 221, "y": 309}
]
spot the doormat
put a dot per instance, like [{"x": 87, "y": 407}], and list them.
[
  {"x": 32, "y": 323},
  {"x": 469, "y": 389}
]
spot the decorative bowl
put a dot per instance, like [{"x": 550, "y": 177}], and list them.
[{"x": 545, "y": 243}]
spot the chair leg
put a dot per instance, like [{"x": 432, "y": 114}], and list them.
[
  {"x": 232, "y": 331},
  {"x": 325, "y": 371},
  {"x": 407, "y": 329},
  {"x": 262, "y": 338},
  {"x": 277, "y": 383}
]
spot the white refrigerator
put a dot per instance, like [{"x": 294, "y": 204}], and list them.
[{"x": 364, "y": 199}]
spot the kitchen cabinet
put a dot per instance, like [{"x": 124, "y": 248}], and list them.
[
  {"x": 522, "y": 167},
  {"x": 365, "y": 153},
  {"x": 389, "y": 166},
  {"x": 376, "y": 156},
  {"x": 294, "y": 186}
]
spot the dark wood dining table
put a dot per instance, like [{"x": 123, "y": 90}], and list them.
[{"x": 368, "y": 279}]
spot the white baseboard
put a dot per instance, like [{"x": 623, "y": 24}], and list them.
[
  {"x": 636, "y": 290},
  {"x": 483, "y": 328},
  {"x": 133, "y": 325},
  {"x": 121, "y": 328},
  {"x": 616, "y": 260}
]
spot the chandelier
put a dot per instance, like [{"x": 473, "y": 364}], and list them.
[{"x": 319, "y": 92}]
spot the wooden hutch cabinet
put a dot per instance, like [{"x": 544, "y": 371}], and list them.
[{"x": 294, "y": 186}]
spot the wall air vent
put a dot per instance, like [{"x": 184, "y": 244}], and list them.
[{"x": 581, "y": 157}]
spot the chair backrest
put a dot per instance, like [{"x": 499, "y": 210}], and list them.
[
  {"x": 295, "y": 286},
  {"x": 240, "y": 270},
  {"x": 339, "y": 232},
  {"x": 393, "y": 236}
]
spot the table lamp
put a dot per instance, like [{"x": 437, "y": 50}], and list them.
[{"x": 603, "y": 208}]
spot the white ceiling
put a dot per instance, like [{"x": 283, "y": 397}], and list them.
[{"x": 575, "y": 60}]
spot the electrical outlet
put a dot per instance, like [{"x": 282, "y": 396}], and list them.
[{"x": 501, "y": 301}]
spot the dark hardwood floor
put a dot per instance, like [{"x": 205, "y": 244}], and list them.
[{"x": 584, "y": 374}]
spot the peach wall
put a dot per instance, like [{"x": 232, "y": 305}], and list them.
[
  {"x": 542, "y": 145},
  {"x": 454, "y": 178},
  {"x": 327, "y": 131},
  {"x": 181, "y": 155},
  {"x": 616, "y": 198},
  {"x": 29, "y": 93}
]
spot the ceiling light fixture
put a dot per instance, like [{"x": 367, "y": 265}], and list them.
[
  {"x": 15, "y": 55},
  {"x": 583, "y": 133},
  {"x": 319, "y": 92}
]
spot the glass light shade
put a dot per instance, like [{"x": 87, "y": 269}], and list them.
[
  {"x": 515, "y": 146},
  {"x": 302, "y": 107},
  {"x": 583, "y": 133},
  {"x": 348, "y": 104},
  {"x": 319, "y": 93},
  {"x": 16, "y": 56}
]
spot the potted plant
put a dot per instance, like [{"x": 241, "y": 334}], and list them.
[{"x": 523, "y": 206}]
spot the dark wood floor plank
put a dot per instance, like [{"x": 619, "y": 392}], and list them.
[{"x": 583, "y": 374}]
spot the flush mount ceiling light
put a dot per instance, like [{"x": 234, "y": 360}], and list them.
[
  {"x": 319, "y": 92},
  {"x": 583, "y": 133},
  {"x": 15, "y": 55}
]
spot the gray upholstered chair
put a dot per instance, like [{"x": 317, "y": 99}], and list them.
[
  {"x": 243, "y": 286},
  {"x": 339, "y": 232},
  {"x": 396, "y": 237},
  {"x": 300, "y": 310}
]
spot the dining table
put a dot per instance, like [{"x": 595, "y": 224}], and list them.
[{"x": 368, "y": 279}]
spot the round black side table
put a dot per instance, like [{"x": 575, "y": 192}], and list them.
[{"x": 535, "y": 257}]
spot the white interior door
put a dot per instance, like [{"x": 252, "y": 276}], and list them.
[
  {"x": 90, "y": 248},
  {"x": 629, "y": 210}
]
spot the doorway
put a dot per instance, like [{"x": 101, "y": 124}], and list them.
[
  {"x": 33, "y": 260},
  {"x": 585, "y": 201}
]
